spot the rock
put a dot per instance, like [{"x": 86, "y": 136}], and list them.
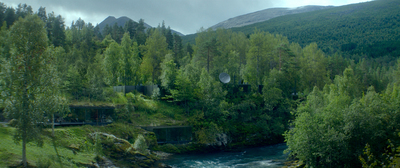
[
  {"x": 162, "y": 165},
  {"x": 122, "y": 151},
  {"x": 220, "y": 140},
  {"x": 104, "y": 162},
  {"x": 12, "y": 123},
  {"x": 161, "y": 155},
  {"x": 74, "y": 147}
]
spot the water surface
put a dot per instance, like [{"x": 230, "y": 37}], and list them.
[{"x": 269, "y": 156}]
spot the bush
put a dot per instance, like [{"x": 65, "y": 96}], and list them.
[
  {"x": 140, "y": 144},
  {"x": 119, "y": 98}
]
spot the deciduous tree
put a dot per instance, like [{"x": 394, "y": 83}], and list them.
[{"x": 30, "y": 81}]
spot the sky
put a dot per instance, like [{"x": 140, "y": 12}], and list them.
[{"x": 185, "y": 16}]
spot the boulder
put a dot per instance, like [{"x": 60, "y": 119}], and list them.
[
  {"x": 12, "y": 123},
  {"x": 74, "y": 147},
  {"x": 121, "y": 151},
  {"x": 221, "y": 140}
]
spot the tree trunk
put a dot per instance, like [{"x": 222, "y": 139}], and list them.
[
  {"x": 52, "y": 126},
  {"x": 24, "y": 150},
  {"x": 258, "y": 68},
  {"x": 280, "y": 61},
  {"x": 208, "y": 60}
]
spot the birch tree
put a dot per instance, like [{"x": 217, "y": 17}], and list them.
[{"x": 30, "y": 81}]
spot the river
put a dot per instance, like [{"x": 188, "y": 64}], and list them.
[{"x": 269, "y": 156}]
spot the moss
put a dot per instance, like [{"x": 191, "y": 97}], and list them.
[{"x": 169, "y": 148}]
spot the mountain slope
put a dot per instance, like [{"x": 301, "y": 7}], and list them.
[
  {"x": 370, "y": 29},
  {"x": 263, "y": 15},
  {"x": 111, "y": 20}
]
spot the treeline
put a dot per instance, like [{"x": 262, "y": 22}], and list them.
[{"x": 332, "y": 124}]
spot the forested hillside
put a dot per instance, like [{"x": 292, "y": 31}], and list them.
[
  {"x": 370, "y": 29},
  {"x": 343, "y": 111}
]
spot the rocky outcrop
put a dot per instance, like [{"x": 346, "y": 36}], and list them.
[
  {"x": 264, "y": 15},
  {"x": 221, "y": 140},
  {"x": 120, "y": 151}
]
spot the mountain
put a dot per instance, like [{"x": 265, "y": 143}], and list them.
[
  {"x": 111, "y": 20},
  {"x": 366, "y": 29},
  {"x": 263, "y": 15},
  {"x": 369, "y": 29}
]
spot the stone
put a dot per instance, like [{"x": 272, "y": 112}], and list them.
[
  {"x": 74, "y": 147},
  {"x": 121, "y": 150},
  {"x": 12, "y": 123}
]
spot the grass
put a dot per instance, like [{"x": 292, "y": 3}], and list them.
[
  {"x": 146, "y": 112},
  {"x": 149, "y": 112},
  {"x": 11, "y": 153}
]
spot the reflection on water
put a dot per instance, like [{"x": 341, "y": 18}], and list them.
[{"x": 269, "y": 156}]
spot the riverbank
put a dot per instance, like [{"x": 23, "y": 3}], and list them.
[
  {"x": 89, "y": 146},
  {"x": 83, "y": 146}
]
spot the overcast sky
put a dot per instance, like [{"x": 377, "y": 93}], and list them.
[{"x": 185, "y": 16}]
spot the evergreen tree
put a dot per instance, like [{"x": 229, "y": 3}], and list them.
[
  {"x": 169, "y": 38},
  {"x": 42, "y": 14},
  {"x": 207, "y": 50},
  {"x": 140, "y": 35},
  {"x": 3, "y": 9},
  {"x": 117, "y": 33},
  {"x": 130, "y": 28},
  {"x": 10, "y": 16},
  {"x": 23, "y": 10},
  {"x": 107, "y": 30},
  {"x": 55, "y": 28},
  {"x": 97, "y": 33},
  {"x": 177, "y": 49}
]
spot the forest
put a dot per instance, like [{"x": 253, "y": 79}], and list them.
[
  {"x": 330, "y": 109},
  {"x": 369, "y": 29}
]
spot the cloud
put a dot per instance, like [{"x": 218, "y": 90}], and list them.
[{"x": 185, "y": 16}]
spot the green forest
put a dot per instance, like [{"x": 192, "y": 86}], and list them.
[
  {"x": 357, "y": 31},
  {"x": 332, "y": 106}
]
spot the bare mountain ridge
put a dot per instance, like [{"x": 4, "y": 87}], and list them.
[
  {"x": 111, "y": 20},
  {"x": 264, "y": 15}
]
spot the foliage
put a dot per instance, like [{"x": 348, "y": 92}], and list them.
[
  {"x": 156, "y": 49},
  {"x": 169, "y": 148},
  {"x": 168, "y": 72},
  {"x": 31, "y": 82},
  {"x": 338, "y": 124},
  {"x": 324, "y": 79}
]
